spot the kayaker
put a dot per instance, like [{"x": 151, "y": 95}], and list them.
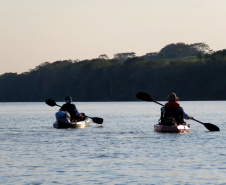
[
  {"x": 172, "y": 109},
  {"x": 71, "y": 109}
]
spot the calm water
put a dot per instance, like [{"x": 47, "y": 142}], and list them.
[{"x": 125, "y": 150}]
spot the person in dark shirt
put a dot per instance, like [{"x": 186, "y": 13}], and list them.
[
  {"x": 71, "y": 109},
  {"x": 173, "y": 109}
]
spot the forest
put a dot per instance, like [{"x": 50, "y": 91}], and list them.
[{"x": 192, "y": 71}]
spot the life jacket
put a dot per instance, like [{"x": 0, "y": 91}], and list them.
[
  {"x": 172, "y": 104},
  {"x": 172, "y": 110}
]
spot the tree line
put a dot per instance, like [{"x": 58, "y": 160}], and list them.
[{"x": 193, "y": 72}]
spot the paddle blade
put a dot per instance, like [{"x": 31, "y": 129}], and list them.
[
  {"x": 97, "y": 120},
  {"x": 50, "y": 102},
  {"x": 211, "y": 127},
  {"x": 144, "y": 96}
]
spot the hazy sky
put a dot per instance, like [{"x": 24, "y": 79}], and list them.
[{"x": 37, "y": 31}]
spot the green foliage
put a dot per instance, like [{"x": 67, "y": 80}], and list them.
[
  {"x": 105, "y": 79},
  {"x": 200, "y": 56},
  {"x": 179, "y": 50},
  {"x": 124, "y": 56}
]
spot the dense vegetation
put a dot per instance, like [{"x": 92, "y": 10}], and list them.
[{"x": 193, "y": 71}]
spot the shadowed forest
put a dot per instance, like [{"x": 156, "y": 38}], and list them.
[{"x": 192, "y": 71}]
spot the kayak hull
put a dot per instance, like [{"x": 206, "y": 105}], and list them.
[
  {"x": 183, "y": 128},
  {"x": 77, "y": 124}
]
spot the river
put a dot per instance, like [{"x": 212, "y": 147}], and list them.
[{"x": 124, "y": 150}]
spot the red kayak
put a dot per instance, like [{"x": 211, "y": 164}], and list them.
[{"x": 183, "y": 128}]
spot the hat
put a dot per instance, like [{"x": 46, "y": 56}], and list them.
[
  {"x": 172, "y": 97},
  {"x": 68, "y": 98}
]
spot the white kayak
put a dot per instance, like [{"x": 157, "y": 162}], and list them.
[{"x": 76, "y": 124}]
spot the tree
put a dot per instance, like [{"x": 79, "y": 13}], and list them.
[
  {"x": 111, "y": 80},
  {"x": 201, "y": 46},
  {"x": 103, "y": 56},
  {"x": 162, "y": 54},
  {"x": 151, "y": 55},
  {"x": 183, "y": 50},
  {"x": 134, "y": 59},
  {"x": 124, "y": 56},
  {"x": 200, "y": 56}
]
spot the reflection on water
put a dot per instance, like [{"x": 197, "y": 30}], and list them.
[{"x": 125, "y": 150}]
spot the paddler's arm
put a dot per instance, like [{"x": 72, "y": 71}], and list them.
[
  {"x": 77, "y": 112},
  {"x": 186, "y": 116},
  {"x": 162, "y": 108}
]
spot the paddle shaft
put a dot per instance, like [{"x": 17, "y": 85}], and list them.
[
  {"x": 157, "y": 102},
  {"x": 197, "y": 120}
]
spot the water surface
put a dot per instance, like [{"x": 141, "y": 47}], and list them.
[{"x": 125, "y": 150}]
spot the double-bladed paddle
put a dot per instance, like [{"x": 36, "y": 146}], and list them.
[
  {"x": 52, "y": 103},
  {"x": 146, "y": 97}
]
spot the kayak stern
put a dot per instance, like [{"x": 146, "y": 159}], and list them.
[
  {"x": 78, "y": 124},
  {"x": 182, "y": 128}
]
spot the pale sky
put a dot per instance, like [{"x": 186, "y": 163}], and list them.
[{"x": 37, "y": 31}]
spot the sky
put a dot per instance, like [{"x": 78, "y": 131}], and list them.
[{"x": 34, "y": 32}]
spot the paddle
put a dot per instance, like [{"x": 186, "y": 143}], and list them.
[
  {"x": 52, "y": 103},
  {"x": 209, "y": 126},
  {"x": 146, "y": 97}
]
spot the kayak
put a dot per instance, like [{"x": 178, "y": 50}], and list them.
[
  {"x": 76, "y": 124},
  {"x": 183, "y": 128}
]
